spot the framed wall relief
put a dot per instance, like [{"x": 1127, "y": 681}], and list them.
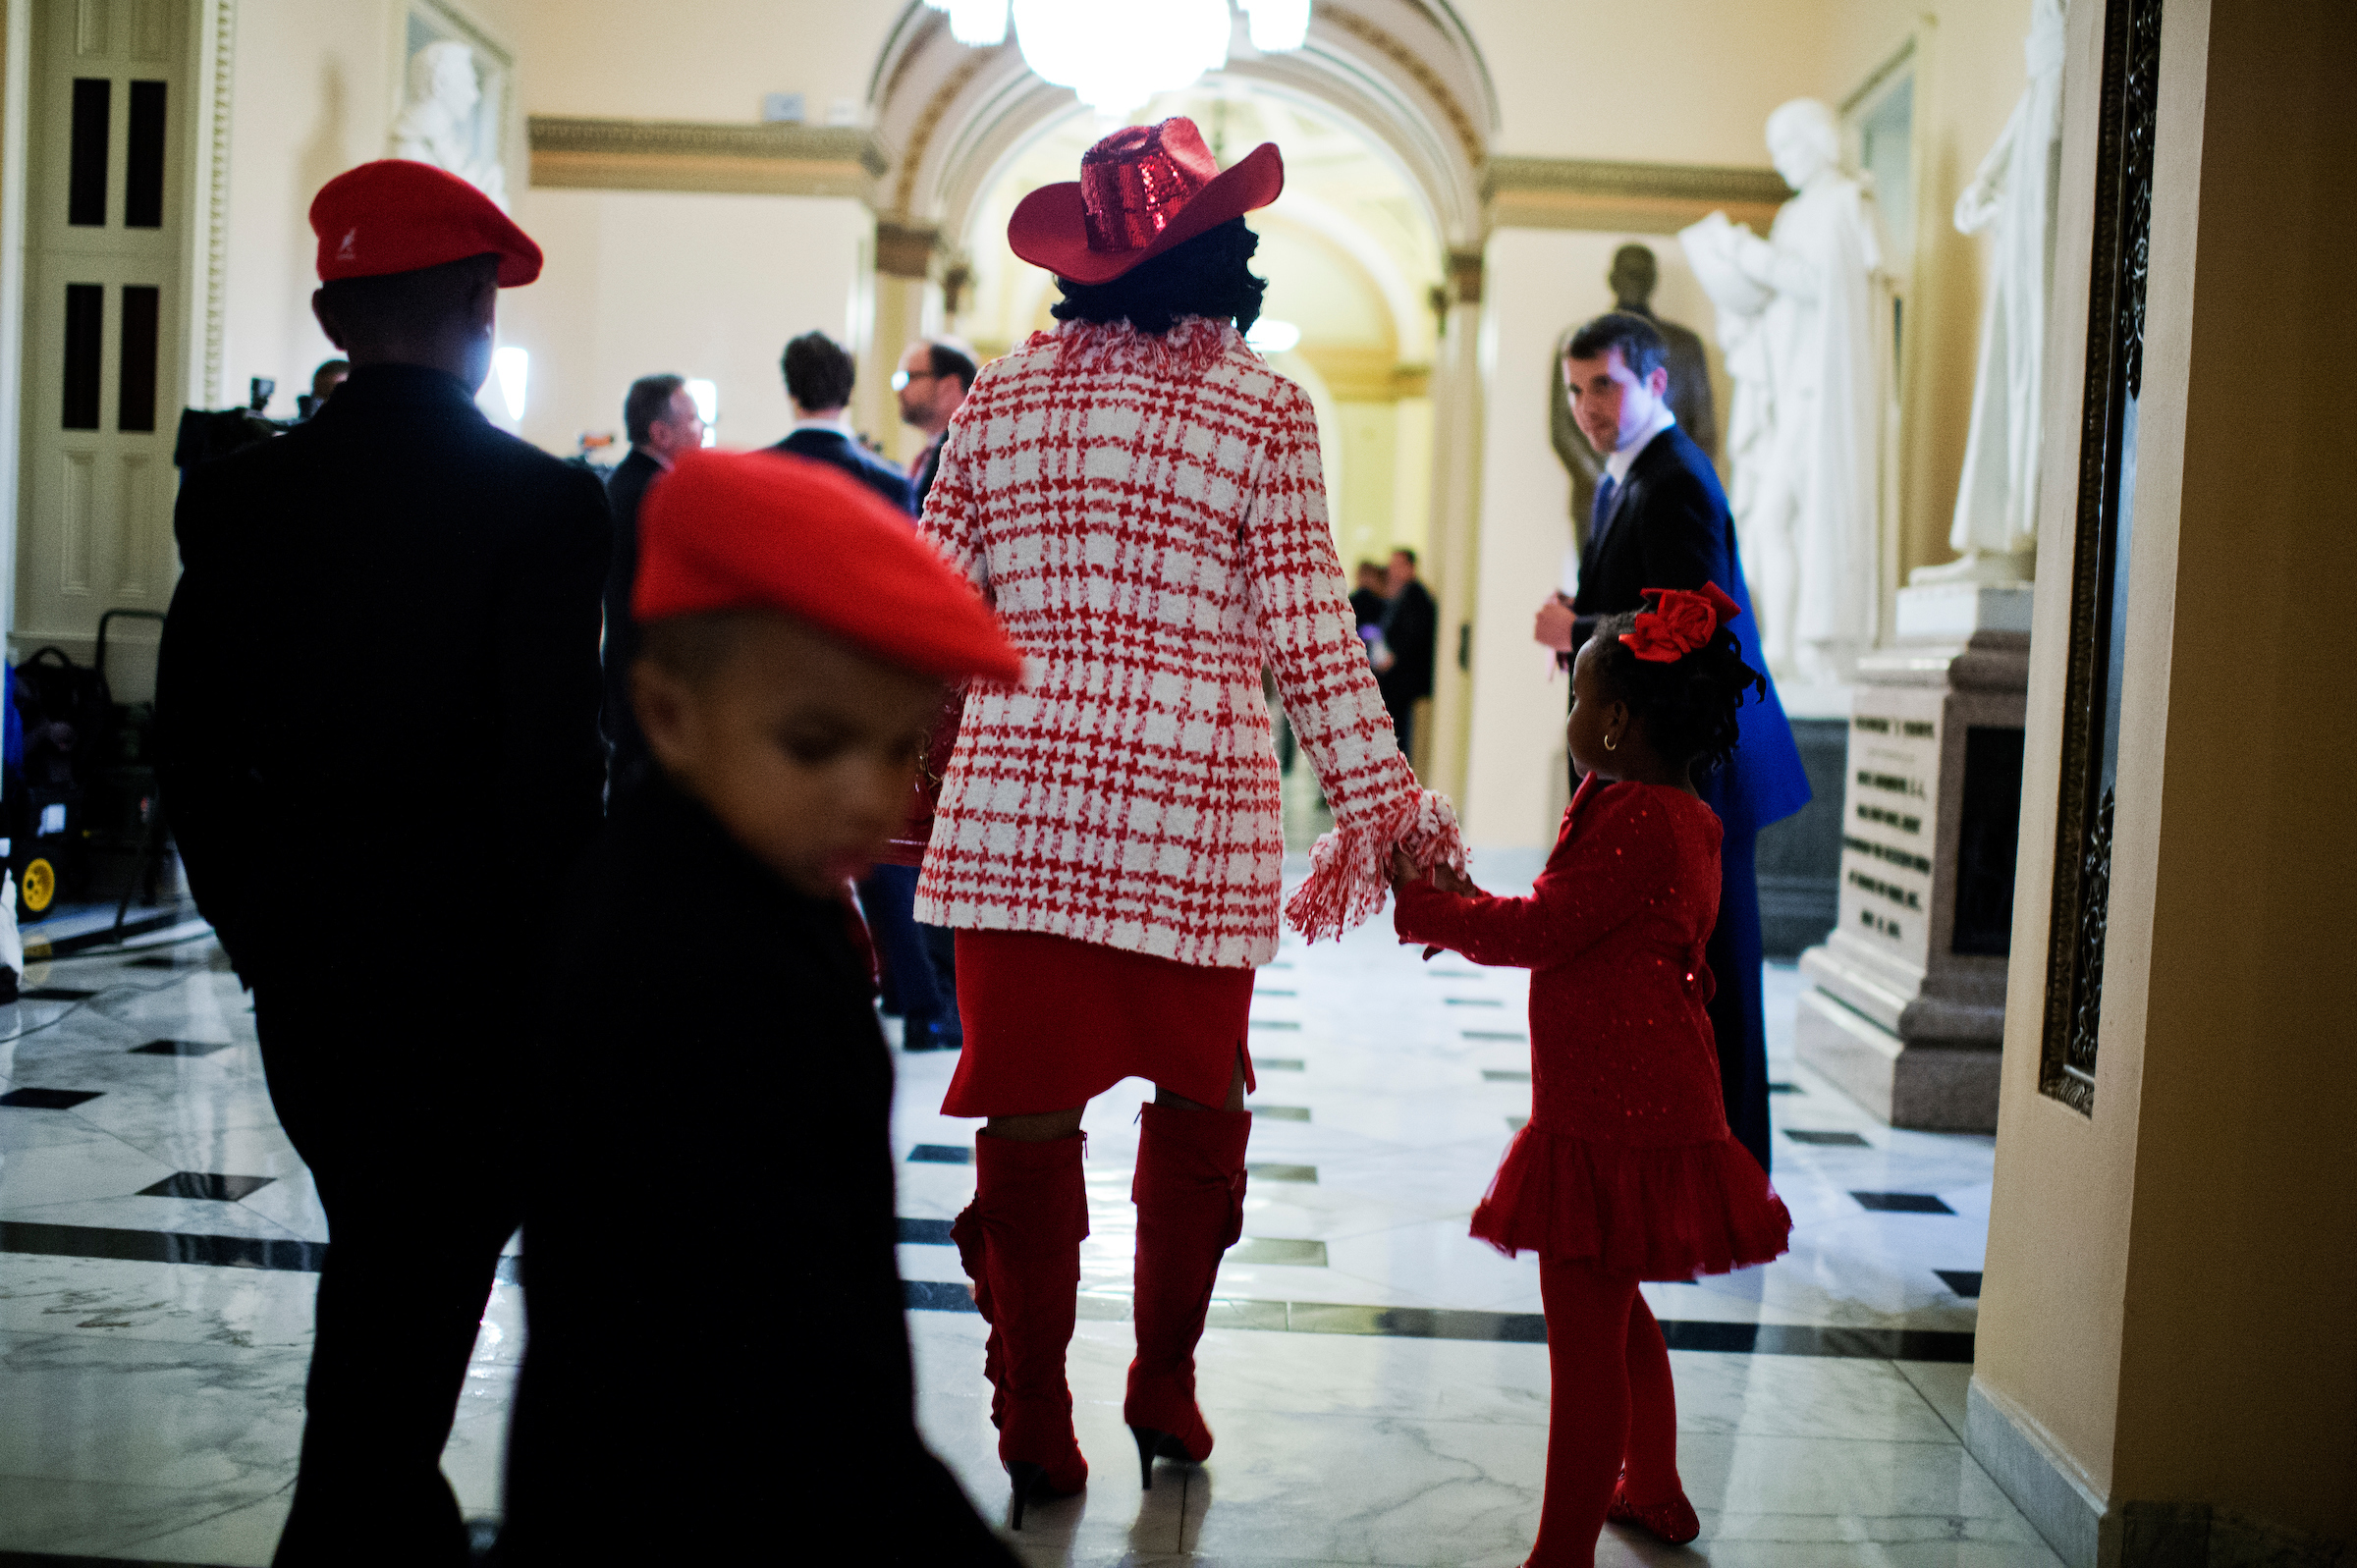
[
  {"x": 2105, "y": 528},
  {"x": 453, "y": 96}
]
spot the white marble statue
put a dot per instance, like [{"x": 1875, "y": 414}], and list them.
[
  {"x": 437, "y": 125},
  {"x": 1996, "y": 531},
  {"x": 1798, "y": 324}
]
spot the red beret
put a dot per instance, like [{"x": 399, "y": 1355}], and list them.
[
  {"x": 760, "y": 530},
  {"x": 396, "y": 215}
]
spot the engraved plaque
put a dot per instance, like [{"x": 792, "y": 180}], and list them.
[{"x": 1888, "y": 830}]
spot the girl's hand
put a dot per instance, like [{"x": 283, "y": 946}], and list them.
[{"x": 1403, "y": 870}]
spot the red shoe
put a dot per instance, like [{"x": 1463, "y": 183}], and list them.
[
  {"x": 1020, "y": 1240},
  {"x": 1189, "y": 1193},
  {"x": 1673, "y": 1521}
]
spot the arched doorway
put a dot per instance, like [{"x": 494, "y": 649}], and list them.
[{"x": 1373, "y": 252}]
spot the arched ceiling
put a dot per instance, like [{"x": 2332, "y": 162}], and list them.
[{"x": 1401, "y": 74}]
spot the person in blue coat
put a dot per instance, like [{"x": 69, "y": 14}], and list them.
[{"x": 1662, "y": 521}]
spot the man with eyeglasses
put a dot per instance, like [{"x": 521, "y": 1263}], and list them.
[{"x": 932, "y": 382}]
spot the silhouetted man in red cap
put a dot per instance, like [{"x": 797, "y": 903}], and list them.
[{"x": 379, "y": 699}]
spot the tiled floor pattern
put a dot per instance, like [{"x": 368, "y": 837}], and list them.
[{"x": 152, "y": 1407}]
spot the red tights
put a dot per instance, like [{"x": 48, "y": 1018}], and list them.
[{"x": 1611, "y": 1403}]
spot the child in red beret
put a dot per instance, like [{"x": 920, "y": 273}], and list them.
[{"x": 716, "y": 1333}]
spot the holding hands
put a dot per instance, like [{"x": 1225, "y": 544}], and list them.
[{"x": 1442, "y": 876}]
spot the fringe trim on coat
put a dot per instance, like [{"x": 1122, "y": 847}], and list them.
[{"x": 1350, "y": 868}]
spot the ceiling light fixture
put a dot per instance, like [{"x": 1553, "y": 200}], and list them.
[
  {"x": 1117, "y": 54},
  {"x": 1272, "y": 337}
]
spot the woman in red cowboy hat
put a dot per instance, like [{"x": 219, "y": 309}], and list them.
[{"x": 1141, "y": 498}]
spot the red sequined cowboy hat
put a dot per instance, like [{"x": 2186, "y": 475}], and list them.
[{"x": 1141, "y": 190}]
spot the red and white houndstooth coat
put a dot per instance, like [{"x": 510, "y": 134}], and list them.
[{"x": 1148, "y": 516}]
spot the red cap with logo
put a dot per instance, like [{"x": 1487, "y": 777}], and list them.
[
  {"x": 760, "y": 530},
  {"x": 398, "y": 215}
]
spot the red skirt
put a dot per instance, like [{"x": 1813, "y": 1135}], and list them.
[
  {"x": 1051, "y": 1023},
  {"x": 1667, "y": 1213}
]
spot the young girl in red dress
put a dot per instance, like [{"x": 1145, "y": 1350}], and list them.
[{"x": 1626, "y": 1170}]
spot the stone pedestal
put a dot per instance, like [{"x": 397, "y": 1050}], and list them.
[{"x": 1905, "y": 1009}]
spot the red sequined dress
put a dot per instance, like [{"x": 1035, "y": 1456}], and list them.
[{"x": 1627, "y": 1158}]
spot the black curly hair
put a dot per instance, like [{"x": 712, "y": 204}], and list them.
[
  {"x": 1205, "y": 276},
  {"x": 1687, "y": 705}
]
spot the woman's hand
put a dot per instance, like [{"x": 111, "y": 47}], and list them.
[
  {"x": 1448, "y": 878},
  {"x": 1443, "y": 874}
]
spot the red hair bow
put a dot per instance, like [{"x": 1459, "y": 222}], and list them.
[{"x": 1679, "y": 622}]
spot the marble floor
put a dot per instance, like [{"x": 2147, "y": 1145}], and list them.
[{"x": 1375, "y": 1378}]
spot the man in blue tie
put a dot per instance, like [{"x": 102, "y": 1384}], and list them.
[{"x": 1662, "y": 521}]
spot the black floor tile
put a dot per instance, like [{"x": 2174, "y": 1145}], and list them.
[
  {"x": 1504, "y": 1075},
  {"x": 1262, "y": 1063},
  {"x": 1516, "y": 1123},
  {"x": 1261, "y": 1249},
  {"x": 206, "y": 1184},
  {"x": 1276, "y": 1023},
  {"x": 925, "y": 1233},
  {"x": 941, "y": 1154},
  {"x": 55, "y": 993},
  {"x": 1901, "y": 1203},
  {"x": 1964, "y": 1282},
  {"x": 1282, "y": 1172},
  {"x": 937, "y": 1295},
  {"x": 161, "y": 1245},
  {"x": 1785, "y": 1089},
  {"x": 1493, "y": 1034},
  {"x": 181, "y": 1048},
  {"x": 1827, "y": 1140},
  {"x": 1264, "y": 991},
  {"x": 1473, "y": 1002},
  {"x": 1279, "y": 1112},
  {"x": 48, "y": 1099}
]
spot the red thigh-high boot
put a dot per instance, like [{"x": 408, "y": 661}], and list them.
[
  {"x": 1587, "y": 1412},
  {"x": 1021, "y": 1242},
  {"x": 1190, "y": 1194},
  {"x": 1650, "y": 1494}
]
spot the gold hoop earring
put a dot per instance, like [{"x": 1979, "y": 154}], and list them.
[{"x": 1610, "y": 744}]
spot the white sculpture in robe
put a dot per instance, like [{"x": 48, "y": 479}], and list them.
[
  {"x": 2012, "y": 195},
  {"x": 437, "y": 124},
  {"x": 1800, "y": 326}
]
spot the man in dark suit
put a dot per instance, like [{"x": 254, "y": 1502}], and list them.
[
  {"x": 663, "y": 424},
  {"x": 1367, "y": 598},
  {"x": 820, "y": 376},
  {"x": 379, "y": 738},
  {"x": 1662, "y": 521},
  {"x": 1404, "y": 663},
  {"x": 931, "y": 383},
  {"x": 1633, "y": 279}
]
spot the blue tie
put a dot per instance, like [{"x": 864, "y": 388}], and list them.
[{"x": 1603, "y": 514}]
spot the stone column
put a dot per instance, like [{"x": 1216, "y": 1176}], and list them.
[
  {"x": 1454, "y": 545},
  {"x": 904, "y": 265},
  {"x": 1905, "y": 1009}
]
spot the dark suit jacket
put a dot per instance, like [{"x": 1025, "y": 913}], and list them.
[
  {"x": 928, "y": 464},
  {"x": 761, "y": 995},
  {"x": 828, "y": 446},
  {"x": 1411, "y": 625},
  {"x": 1670, "y": 527},
  {"x": 625, "y": 489},
  {"x": 378, "y": 692}
]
